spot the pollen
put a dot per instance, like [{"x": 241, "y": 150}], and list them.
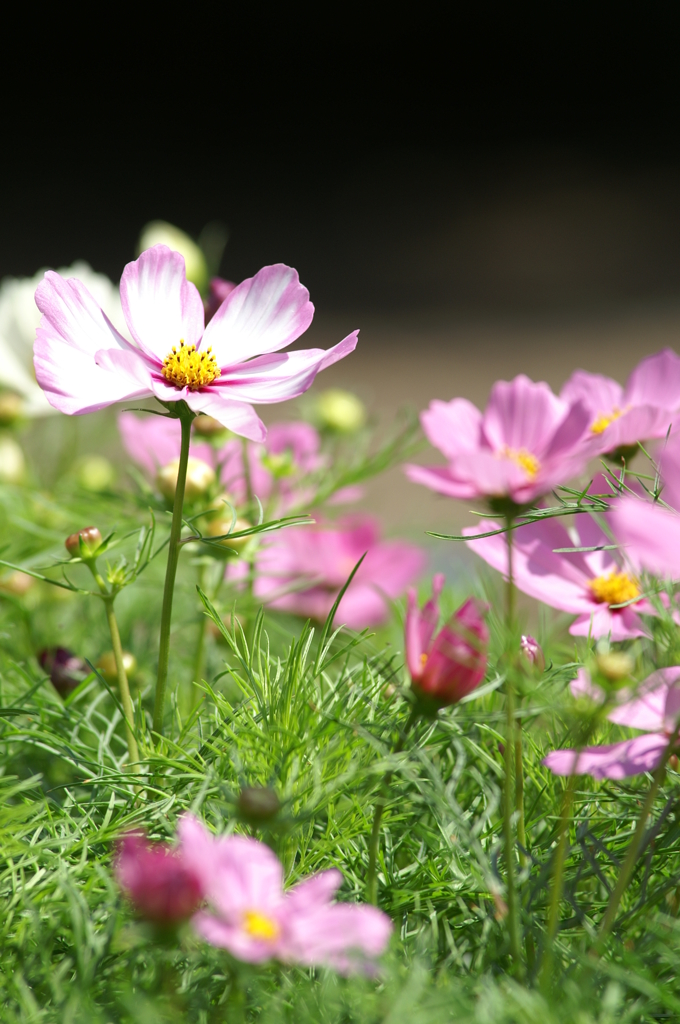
[
  {"x": 523, "y": 458},
  {"x": 615, "y": 588},
  {"x": 186, "y": 368},
  {"x": 259, "y": 926},
  {"x": 604, "y": 419}
]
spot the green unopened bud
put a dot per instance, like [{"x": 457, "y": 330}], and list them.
[
  {"x": 12, "y": 462},
  {"x": 615, "y": 666},
  {"x": 221, "y": 525},
  {"x": 159, "y": 232},
  {"x": 85, "y": 543},
  {"x": 11, "y": 408},
  {"x": 95, "y": 473},
  {"x": 17, "y": 583},
  {"x": 107, "y": 665},
  {"x": 339, "y": 410},
  {"x": 200, "y": 478},
  {"x": 280, "y": 464},
  {"x": 208, "y": 426},
  {"x": 257, "y": 804}
]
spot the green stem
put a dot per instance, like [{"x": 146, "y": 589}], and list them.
[
  {"x": 557, "y": 883},
  {"x": 374, "y": 842},
  {"x": 510, "y": 583},
  {"x": 519, "y": 793},
  {"x": 632, "y": 855},
  {"x": 186, "y": 418},
  {"x": 513, "y": 923}
]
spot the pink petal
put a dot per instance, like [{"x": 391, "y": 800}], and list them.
[
  {"x": 160, "y": 306},
  {"x": 599, "y": 394},
  {"x": 655, "y": 381},
  {"x": 650, "y": 535},
  {"x": 248, "y": 876},
  {"x": 238, "y": 417},
  {"x": 452, "y": 427},
  {"x": 153, "y": 441},
  {"x": 315, "y": 891},
  {"x": 615, "y": 761},
  {"x": 262, "y": 314},
  {"x": 342, "y": 936},
  {"x": 232, "y": 937},
  {"x": 652, "y": 708},
  {"x": 441, "y": 480},
  {"x": 641, "y": 423},
  {"x": 522, "y": 414}
]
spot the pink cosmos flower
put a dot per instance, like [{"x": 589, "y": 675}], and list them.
[
  {"x": 82, "y": 362},
  {"x": 251, "y": 915},
  {"x": 656, "y": 711},
  {"x": 587, "y": 584},
  {"x": 302, "y": 570},
  {"x": 620, "y": 417},
  {"x": 649, "y": 532},
  {"x": 526, "y": 442},
  {"x": 160, "y": 884},
  {"x": 447, "y": 666}
]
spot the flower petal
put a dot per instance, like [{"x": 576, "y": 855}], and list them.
[
  {"x": 522, "y": 414},
  {"x": 160, "y": 306},
  {"x": 441, "y": 480},
  {"x": 614, "y": 761},
  {"x": 238, "y": 417},
  {"x": 452, "y": 427},
  {"x": 262, "y": 314},
  {"x": 598, "y": 393},
  {"x": 655, "y": 381}
]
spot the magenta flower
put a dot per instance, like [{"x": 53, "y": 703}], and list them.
[
  {"x": 158, "y": 881},
  {"x": 302, "y": 570},
  {"x": 526, "y": 442},
  {"x": 447, "y": 666},
  {"x": 82, "y": 363},
  {"x": 251, "y": 915},
  {"x": 656, "y": 711},
  {"x": 587, "y": 584},
  {"x": 620, "y": 417},
  {"x": 531, "y": 650}
]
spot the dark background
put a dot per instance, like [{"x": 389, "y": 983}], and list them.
[{"x": 490, "y": 162}]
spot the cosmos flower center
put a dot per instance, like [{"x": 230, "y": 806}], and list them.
[
  {"x": 528, "y": 462},
  {"x": 186, "y": 368},
  {"x": 259, "y": 926},
  {"x": 614, "y": 588},
  {"x": 604, "y": 419}
]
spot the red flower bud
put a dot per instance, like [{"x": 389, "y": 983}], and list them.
[
  {"x": 65, "y": 669},
  {"x": 533, "y": 652},
  {"x": 85, "y": 543},
  {"x": 453, "y": 663},
  {"x": 160, "y": 886}
]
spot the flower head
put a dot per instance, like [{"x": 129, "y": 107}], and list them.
[
  {"x": 250, "y": 914},
  {"x": 161, "y": 885},
  {"x": 83, "y": 363},
  {"x": 593, "y": 585},
  {"x": 655, "y": 712},
  {"x": 447, "y": 666},
  {"x": 526, "y": 442}
]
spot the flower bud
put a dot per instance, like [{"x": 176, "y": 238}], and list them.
[
  {"x": 257, "y": 804},
  {"x": 339, "y": 410},
  {"x": 208, "y": 426},
  {"x": 160, "y": 885},
  {"x": 12, "y": 462},
  {"x": 65, "y": 669},
  {"x": 221, "y": 525},
  {"x": 531, "y": 650},
  {"x": 200, "y": 478},
  {"x": 107, "y": 665},
  {"x": 95, "y": 473},
  {"x": 85, "y": 543},
  {"x": 615, "y": 666},
  {"x": 159, "y": 232},
  {"x": 17, "y": 583},
  {"x": 11, "y": 408},
  {"x": 454, "y": 663}
]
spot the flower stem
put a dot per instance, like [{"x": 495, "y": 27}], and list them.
[
  {"x": 631, "y": 856},
  {"x": 374, "y": 842},
  {"x": 186, "y": 418},
  {"x": 557, "y": 883},
  {"x": 513, "y": 923}
]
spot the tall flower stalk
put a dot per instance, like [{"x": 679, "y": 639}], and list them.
[
  {"x": 513, "y": 761},
  {"x": 186, "y": 417}
]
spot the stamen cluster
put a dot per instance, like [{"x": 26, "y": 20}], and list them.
[{"x": 187, "y": 368}]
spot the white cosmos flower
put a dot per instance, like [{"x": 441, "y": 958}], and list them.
[{"x": 19, "y": 319}]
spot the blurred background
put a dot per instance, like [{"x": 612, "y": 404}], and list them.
[{"x": 482, "y": 190}]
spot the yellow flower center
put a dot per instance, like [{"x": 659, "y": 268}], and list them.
[
  {"x": 259, "y": 926},
  {"x": 604, "y": 419},
  {"x": 186, "y": 368},
  {"x": 523, "y": 458},
  {"x": 615, "y": 588}
]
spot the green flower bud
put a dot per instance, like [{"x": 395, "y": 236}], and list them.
[
  {"x": 208, "y": 426},
  {"x": 12, "y": 462},
  {"x": 257, "y": 804},
  {"x": 107, "y": 665},
  {"x": 85, "y": 543},
  {"x": 222, "y": 525},
  {"x": 200, "y": 478},
  {"x": 11, "y": 408},
  {"x": 95, "y": 473},
  {"x": 340, "y": 411},
  {"x": 159, "y": 232}
]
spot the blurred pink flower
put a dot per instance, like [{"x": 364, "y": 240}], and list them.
[
  {"x": 620, "y": 417},
  {"x": 82, "y": 363},
  {"x": 526, "y": 442},
  {"x": 161, "y": 886},
  {"x": 533, "y": 652},
  {"x": 655, "y": 710},
  {"x": 586, "y": 584},
  {"x": 447, "y": 666},
  {"x": 649, "y": 532},
  {"x": 251, "y": 915},
  {"x": 301, "y": 570},
  {"x": 219, "y": 290}
]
